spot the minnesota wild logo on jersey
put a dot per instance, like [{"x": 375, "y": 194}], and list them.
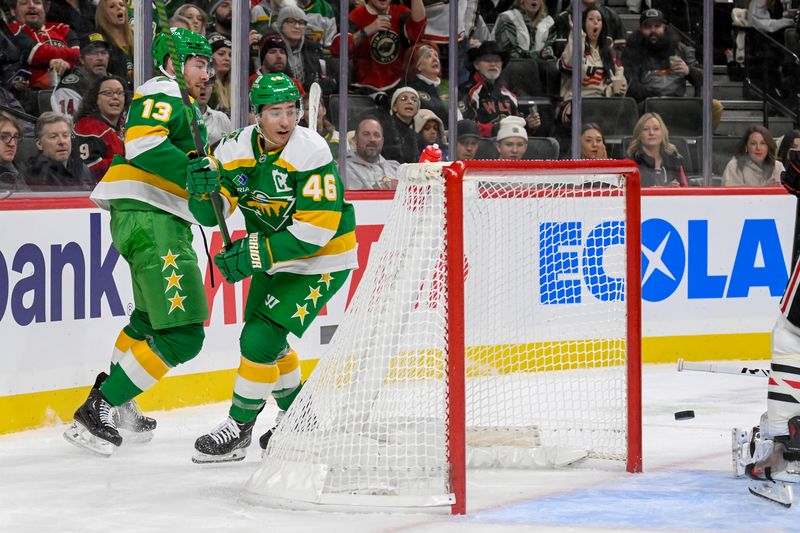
[{"x": 271, "y": 210}]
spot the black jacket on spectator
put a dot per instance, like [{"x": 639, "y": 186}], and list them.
[
  {"x": 8, "y": 99},
  {"x": 647, "y": 68},
  {"x": 11, "y": 180},
  {"x": 429, "y": 98},
  {"x": 486, "y": 103},
  {"x": 81, "y": 21},
  {"x": 10, "y": 60},
  {"x": 671, "y": 170},
  {"x": 400, "y": 141},
  {"x": 120, "y": 64},
  {"x": 45, "y": 174}
]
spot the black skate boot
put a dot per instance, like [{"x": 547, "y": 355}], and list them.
[
  {"x": 227, "y": 442},
  {"x": 139, "y": 428},
  {"x": 95, "y": 426},
  {"x": 263, "y": 440}
]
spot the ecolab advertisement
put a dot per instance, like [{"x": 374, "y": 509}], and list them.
[{"x": 713, "y": 267}]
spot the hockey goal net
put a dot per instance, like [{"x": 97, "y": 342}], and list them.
[{"x": 497, "y": 325}]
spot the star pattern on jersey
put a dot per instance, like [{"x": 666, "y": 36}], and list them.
[
  {"x": 176, "y": 302},
  {"x": 313, "y": 295},
  {"x": 169, "y": 260},
  {"x": 326, "y": 279},
  {"x": 174, "y": 280},
  {"x": 302, "y": 311}
]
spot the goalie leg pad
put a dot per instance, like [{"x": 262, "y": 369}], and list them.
[{"x": 783, "y": 391}]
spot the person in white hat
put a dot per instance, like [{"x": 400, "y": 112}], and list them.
[
  {"x": 512, "y": 138},
  {"x": 401, "y": 138}
]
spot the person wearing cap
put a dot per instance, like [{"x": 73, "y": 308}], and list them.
[
  {"x": 93, "y": 64},
  {"x": 423, "y": 73},
  {"x": 467, "y": 140},
  {"x": 272, "y": 56},
  {"x": 51, "y": 48},
  {"x": 430, "y": 131},
  {"x": 113, "y": 24},
  {"x": 562, "y": 28},
  {"x": 382, "y": 30},
  {"x": 512, "y": 138},
  {"x": 485, "y": 98},
  {"x": 365, "y": 167},
  {"x": 303, "y": 54},
  {"x": 400, "y": 141},
  {"x": 221, "y": 18},
  {"x": 221, "y": 55}
]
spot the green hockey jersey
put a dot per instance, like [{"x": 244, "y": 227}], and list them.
[
  {"x": 158, "y": 139},
  {"x": 294, "y": 196}
]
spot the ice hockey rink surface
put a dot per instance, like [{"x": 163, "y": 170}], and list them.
[{"x": 48, "y": 485}]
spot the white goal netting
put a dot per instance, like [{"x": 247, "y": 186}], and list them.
[{"x": 545, "y": 324}]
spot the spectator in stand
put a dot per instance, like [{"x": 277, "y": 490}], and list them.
[
  {"x": 484, "y": 98},
  {"x": 489, "y": 10},
  {"x": 10, "y": 135},
  {"x": 77, "y": 14},
  {"x": 755, "y": 161},
  {"x": 379, "y": 31},
  {"x": 365, "y": 167},
  {"x": 93, "y": 65},
  {"x": 323, "y": 126},
  {"x": 423, "y": 70},
  {"x": 264, "y": 14},
  {"x": 592, "y": 142},
  {"x": 430, "y": 130},
  {"x": 221, "y": 55},
  {"x": 770, "y": 17},
  {"x": 467, "y": 140},
  {"x": 400, "y": 140},
  {"x": 322, "y": 21},
  {"x": 50, "y": 48},
  {"x": 221, "y": 14},
  {"x": 562, "y": 28},
  {"x": 272, "y": 53},
  {"x": 790, "y": 141},
  {"x": 100, "y": 123},
  {"x": 198, "y": 20},
  {"x": 303, "y": 54},
  {"x": 659, "y": 162},
  {"x": 522, "y": 30},
  {"x": 56, "y": 168},
  {"x": 112, "y": 23},
  {"x": 218, "y": 124},
  {"x": 601, "y": 72},
  {"x": 512, "y": 138}
]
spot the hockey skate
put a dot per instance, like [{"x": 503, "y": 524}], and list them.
[
  {"x": 95, "y": 428},
  {"x": 137, "y": 427},
  {"x": 263, "y": 440},
  {"x": 227, "y": 442}
]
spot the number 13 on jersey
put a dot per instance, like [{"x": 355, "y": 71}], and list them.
[{"x": 316, "y": 187}]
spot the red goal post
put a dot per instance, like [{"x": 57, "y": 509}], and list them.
[{"x": 497, "y": 324}]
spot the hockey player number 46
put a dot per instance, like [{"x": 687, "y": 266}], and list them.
[
  {"x": 162, "y": 113},
  {"x": 314, "y": 187}
]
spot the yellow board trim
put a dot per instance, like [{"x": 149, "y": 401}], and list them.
[{"x": 47, "y": 408}]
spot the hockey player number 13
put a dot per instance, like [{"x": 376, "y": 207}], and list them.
[
  {"x": 162, "y": 113},
  {"x": 316, "y": 187}
]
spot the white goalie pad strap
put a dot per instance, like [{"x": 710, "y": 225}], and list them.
[{"x": 783, "y": 396}]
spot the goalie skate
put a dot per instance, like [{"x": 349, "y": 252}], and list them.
[
  {"x": 775, "y": 491},
  {"x": 226, "y": 443},
  {"x": 740, "y": 448}
]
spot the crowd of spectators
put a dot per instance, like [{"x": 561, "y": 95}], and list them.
[{"x": 67, "y": 80}]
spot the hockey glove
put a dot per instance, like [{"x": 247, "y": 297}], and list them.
[
  {"x": 244, "y": 258},
  {"x": 202, "y": 176}
]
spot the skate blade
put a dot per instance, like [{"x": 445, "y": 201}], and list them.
[
  {"x": 778, "y": 492},
  {"x": 81, "y": 437},
  {"x": 133, "y": 437},
  {"x": 203, "y": 458}
]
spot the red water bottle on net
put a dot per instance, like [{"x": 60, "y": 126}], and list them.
[{"x": 431, "y": 154}]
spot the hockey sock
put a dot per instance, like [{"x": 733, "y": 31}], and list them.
[
  {"x": 135, "y": 367},
  {"x": 254, "y": 383},
  {"x": 288, "y": 385}
]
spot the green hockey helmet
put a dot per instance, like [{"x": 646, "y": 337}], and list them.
[
  {"x": 186, "y": 42},
  {"x": 273, "y": 89}
]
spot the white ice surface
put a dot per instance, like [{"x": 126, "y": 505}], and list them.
[{"x": 48, "y": 485}]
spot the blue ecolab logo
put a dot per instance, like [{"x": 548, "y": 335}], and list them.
[
  {"x": 27, "y": 300},
  {"x": 571, "y": 261}
]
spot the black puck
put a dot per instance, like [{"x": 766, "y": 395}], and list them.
[{"x": 684, "y": 415}]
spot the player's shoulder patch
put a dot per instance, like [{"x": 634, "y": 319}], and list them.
[
  {"x": 235, "y": 150},
  {"x": 306, "y": 150},
  {"x": 159, "y": 85}
]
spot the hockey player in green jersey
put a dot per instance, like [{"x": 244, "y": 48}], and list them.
[
  {"x": 299, "y": 251},
  {"x": 151, "y": 227}
]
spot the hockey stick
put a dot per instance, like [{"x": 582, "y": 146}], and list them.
[
  {"x": 314, "y": 93},
  {"x": 199, "y": 145},
  {"x": 722, "y": 369}
]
